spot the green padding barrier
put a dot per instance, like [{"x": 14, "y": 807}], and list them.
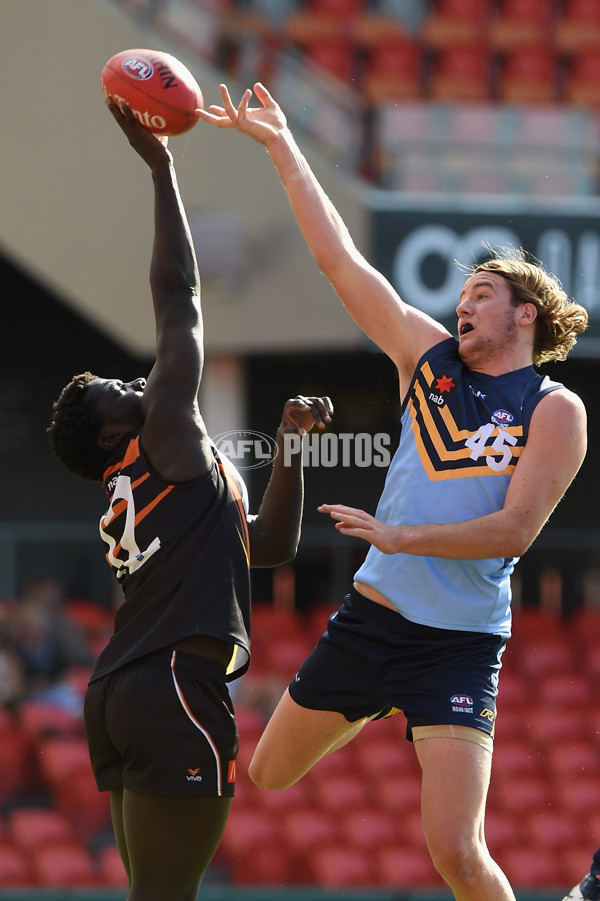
[{"x": 239, "y": 893}]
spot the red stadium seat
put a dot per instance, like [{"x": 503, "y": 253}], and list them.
[
  {"x": 572, "y": 758},
  {"x": 393, "y": 71},
  {"x": 455, "y": 22},
  {"x": 531, "y": 624},
  {"x": 67, "y": 864},
  {"x": 578, "y": 796},
  {"x": 515, "y": 757},
  {"x": 248, "y": 828},
  {"x": 380, "y": 758},
  {"x": 529, "y": 866},
  {"x": 578, "y": 28},
  {"x": 15, "y": 868},
  {"x": 60, "y": 757},
  {"x": 399, "y": 791},
  {"x": 461, "y": 72},
  {"x": 339, "y": 865},
  {"x": 112, "y": 870},
  {"x": 298, "y": 795},
  {"x": 583, "y": 79},
  {"x": 567, "y": 690},
  {"x": 405, "y": 867},
  {"x": 521, "y": 794},
  {"x": 372, "y": 29},
  {"x": 307, "y": 828},
  {"x": 502, "y": 827},
  {"x": 305, "y": 26},
  {"x": 80, "y": 801},
  {"x": 343, "y": 9},
  {"x": 30, "y": 827},
  {"x": 520, "y": 23},
  {"x": 553, "y": 829},
  {"x": 529, "y": 74},
  {"x": 335, "y": 57},
  {"x": 269, "y": 864},
  {"x": 370, "y": 827},
  {"x": 15, "y": 761},
  {"x": 547, "y": 724},
  {"x": 283, "y": 656},
  {"x": 342, "y": 793},
  {"x": 549, "y": 654},
  {"x": 37, "y": 719}
]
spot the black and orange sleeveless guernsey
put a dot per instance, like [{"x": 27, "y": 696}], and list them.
[{"x": 181, "y": 554}]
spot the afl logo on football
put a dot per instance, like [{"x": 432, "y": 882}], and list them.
[
  {"x": 502, "y": 417},
  {"x": 137, "y": 67}
]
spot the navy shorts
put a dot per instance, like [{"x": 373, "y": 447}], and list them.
[
  {"x": 163, "y": 725},
  {"x": 371, "y": 659}
]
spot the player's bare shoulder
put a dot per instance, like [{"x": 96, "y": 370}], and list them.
[{"x": 561, "y": 416}]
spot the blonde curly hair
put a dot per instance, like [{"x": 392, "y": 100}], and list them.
[{"x": 559, "y": 319}]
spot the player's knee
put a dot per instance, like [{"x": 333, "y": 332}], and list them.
[
  {"x": 457, "y": 860},
  {"x": 264, "y": 776}
]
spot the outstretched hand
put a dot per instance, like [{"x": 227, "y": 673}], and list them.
[
  {"x": 359, "y": 524},
  {"x": 152, "y": 148},
  {"x": 261, "y": 123},
  {"x": 301, "y": 413}
]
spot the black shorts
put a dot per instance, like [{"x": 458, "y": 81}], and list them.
[
  {"x": 372, "y": 659},
  {"x": 163, "y": 725}
]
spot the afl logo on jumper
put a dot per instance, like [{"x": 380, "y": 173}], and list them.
[
  {"x": 137, "y": 67},
  {"x": 502, "y": 417},
  {"x": 461, "y": 704}
]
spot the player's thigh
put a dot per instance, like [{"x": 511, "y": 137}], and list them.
[
  {"x": 294, "y": 739},
  {"x": 171, "y": 839},
  {"x": 455, "y": 780}
]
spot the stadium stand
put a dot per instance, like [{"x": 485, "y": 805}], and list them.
[
  {"x": 55, "y": 826},
  {"x": 513, "y": 56}
]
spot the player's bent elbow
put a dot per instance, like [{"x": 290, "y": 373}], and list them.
[
  {"x": 518, "y": 542},
  {"x": 271, "y": 557}
]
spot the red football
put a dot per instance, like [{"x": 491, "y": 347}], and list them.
[{"x": 161, "y": 92}]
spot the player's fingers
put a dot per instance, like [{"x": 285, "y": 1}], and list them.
[
  {"x": 228, "y": 103},
  {"x": 263, "y": 95},
  {"x": 243, "y": 104}
]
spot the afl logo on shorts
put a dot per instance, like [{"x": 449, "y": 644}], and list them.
[
  {"x": 461, "y": 700},
  {"x": 461, "y": 704},
  {"x": 138, "y": 67}
]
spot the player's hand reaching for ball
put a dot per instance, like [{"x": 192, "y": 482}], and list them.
[
  {"x": 262, "y": 123},
  {"x": 152, "y": 148}
]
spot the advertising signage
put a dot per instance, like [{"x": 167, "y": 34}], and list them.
[{"x": 423, "y": 252}]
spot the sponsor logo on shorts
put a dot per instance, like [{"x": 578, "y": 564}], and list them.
[
  {"x": 194, "y": 775},
  {"x": 488, "y": 714},
  {"x": 231, "y": 771},
  {"x": 461, "y": 704}
]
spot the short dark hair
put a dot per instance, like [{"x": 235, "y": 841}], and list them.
[{"x": 74, "y": 430}]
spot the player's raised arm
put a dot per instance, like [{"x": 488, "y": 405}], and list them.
[
  {"x": 170, "y": 396},
  {"x": 401, "y": 331}
]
